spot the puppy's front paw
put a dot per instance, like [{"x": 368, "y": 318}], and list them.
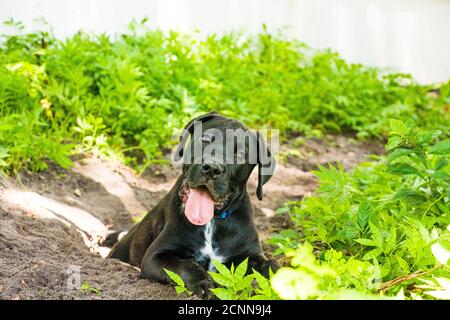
[
  {"x": 270, "y": 265},
  {"x": 202, "y": 289}
]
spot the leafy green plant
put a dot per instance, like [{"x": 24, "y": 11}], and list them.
[
  {"x": 91, "y": 132},
  {"x": 237, "y": 284},
  {"x": 86, "y": 287},
  {"x": 180, "y": 286},
  {"x": 334, "y": 277},
  {"x": 388, "y": 217},
  {"x": 233, "y": 283},
  {"x": 437, "y": 287},
  {"x": 145, "y": 83}
]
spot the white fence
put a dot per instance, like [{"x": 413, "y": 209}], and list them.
[{"x": 406, "y": 35}]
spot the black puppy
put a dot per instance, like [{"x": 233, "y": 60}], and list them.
[{"x": 207, "y": 214}]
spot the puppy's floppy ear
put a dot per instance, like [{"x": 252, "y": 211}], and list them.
[
  {"x": 266, "y": 165},
  {"x": 189, "y": 130}
]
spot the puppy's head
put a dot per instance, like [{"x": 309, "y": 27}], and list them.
[{"x": 219, "y": 154}]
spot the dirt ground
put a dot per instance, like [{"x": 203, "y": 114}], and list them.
[{"x": 50, "y": 222}]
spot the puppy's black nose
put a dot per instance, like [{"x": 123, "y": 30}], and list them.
[{"x": 212, "y": 170}]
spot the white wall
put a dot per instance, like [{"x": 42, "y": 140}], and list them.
[{"x": 407, "y": 35}]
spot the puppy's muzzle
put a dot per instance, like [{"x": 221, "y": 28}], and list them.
[{"x": 211, "y": 170}]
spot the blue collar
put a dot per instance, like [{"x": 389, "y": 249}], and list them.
[{"x": 225, "y": 214}]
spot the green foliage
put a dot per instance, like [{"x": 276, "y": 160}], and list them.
[
  {"x": 126, "y": 95},
  {"x": 376, "y": 229},
  {"x": 92, "y": 133},
  {"x": 180, "y": 286},
  {"x": 438, "y": 288},
  {"x": 86, "y": 287},
  {"x": 237, "y": 284},
  {"x": 334, "y": 277},
  {"x": 233, "y": 283}
]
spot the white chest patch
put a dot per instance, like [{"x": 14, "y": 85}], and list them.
[{"x": 208, "y": 251}]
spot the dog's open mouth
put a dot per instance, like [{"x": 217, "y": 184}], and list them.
[{"x": 200, "y": 203}]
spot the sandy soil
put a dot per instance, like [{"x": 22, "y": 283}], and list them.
[{"x": 51, "y": 222}]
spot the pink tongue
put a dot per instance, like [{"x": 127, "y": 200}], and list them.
[{"x": 199, "y": 207}]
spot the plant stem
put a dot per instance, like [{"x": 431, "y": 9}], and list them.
[{"x": 387, "y": 285}]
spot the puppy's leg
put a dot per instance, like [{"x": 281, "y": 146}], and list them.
[
  {"x": 261, "y": 264},
  {"x": 121, "y": 250},
  {"x": 194, "y": 276},
  {"x": 110, "y": 238}
]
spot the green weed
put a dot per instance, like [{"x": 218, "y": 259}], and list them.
[
  {"x": 126, "y": 95},
  {"x": 381, "y": 228}
]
